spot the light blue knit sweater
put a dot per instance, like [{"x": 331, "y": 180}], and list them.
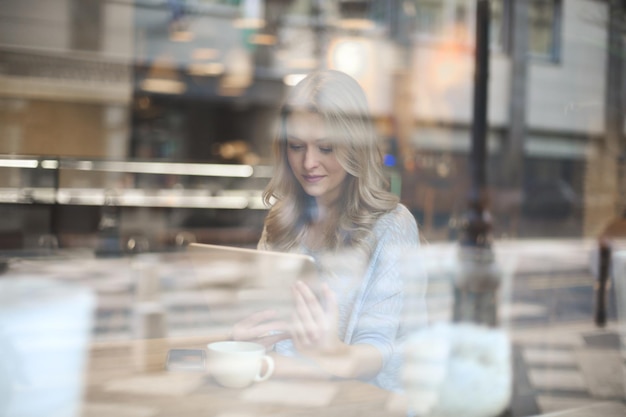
[{"x": 371, "y": 295}]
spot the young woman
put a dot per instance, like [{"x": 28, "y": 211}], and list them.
[{"x": 328, "y": 199}]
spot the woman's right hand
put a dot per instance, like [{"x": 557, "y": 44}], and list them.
[
  {"x": 262, "y": 327},
  {"x": 315, "y": 322}
]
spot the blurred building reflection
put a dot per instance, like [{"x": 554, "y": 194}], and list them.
[{"x": 200, "y": 81}]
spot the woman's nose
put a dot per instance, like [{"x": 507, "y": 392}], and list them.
[{"x": 310, "y": 159}]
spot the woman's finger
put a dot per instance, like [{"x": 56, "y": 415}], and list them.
[
  {"x": 299, "y": 333},
  {"x": 265, "y": 328},
  {"x": 257, "y": 324},
  {"x": 317, "y": 312},
  {"x": 258, "y": 317},
  {"x": 304, "y": 316},
  {"x": 272, "y": 339}
]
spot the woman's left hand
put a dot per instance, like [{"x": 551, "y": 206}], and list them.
[
  {"x": 262, "y": 327},
  {"x": 315, "y": 326},
  {"x": 315, "y": 334}
]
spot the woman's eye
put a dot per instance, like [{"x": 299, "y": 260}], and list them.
[
  {"x": 295, "y": 147},
  {"x": 326, "y": 149}
]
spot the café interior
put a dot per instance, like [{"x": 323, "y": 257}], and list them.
[{"x": 135, "y": 146}]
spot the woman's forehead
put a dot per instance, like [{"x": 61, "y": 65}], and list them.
[
  {"x": 307, "y": 126},
  {"x": 314, "y": 126}
]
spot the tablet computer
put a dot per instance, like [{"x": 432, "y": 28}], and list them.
[{"x": 238, "y": 282}]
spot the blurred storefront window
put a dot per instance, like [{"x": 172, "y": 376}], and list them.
[
  {"x": 453, "y": 20},
  {"x": 201, "y": 81},
  {"x": 430, "y": 17},
  {"x": 545, "y": 25},
  {"x": 86, "y": 24},
  {"x": 447, "y": 20}
]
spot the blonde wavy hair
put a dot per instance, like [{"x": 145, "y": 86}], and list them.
[{"x": 341, "y": 103}]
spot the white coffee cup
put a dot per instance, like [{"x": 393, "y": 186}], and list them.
[{"x": 235, "y": 364}]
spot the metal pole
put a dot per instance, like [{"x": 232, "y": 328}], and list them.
[
  {"x": 511, "y": 176},
  {"x": 481, "y": 77},
  {"x": 478, "y": 278},
  {"x": 604, "y": 261},
  {"x": 478, "y": 223}
]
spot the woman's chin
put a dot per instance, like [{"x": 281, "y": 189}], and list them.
[{"x": 314, "y": 192}]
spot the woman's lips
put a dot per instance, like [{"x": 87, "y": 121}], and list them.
[{"x": 312, "y": 178}]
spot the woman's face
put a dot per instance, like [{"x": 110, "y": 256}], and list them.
[{"x": 312, "y": 158}]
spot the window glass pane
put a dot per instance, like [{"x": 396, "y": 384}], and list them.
[
  {"x": 542, "y": 21},
  {"x": 86, "y": 24},
  {"x": 498, "y": 23},
  {"x": 300, "y": 8},
  {"x": 461, "y": 10},
  {"x": 430, "y": 19},
  {"x": 462, "y": 26}
]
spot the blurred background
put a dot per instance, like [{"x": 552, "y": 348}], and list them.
[{"x": 141, "y": 125}]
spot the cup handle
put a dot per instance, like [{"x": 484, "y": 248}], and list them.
[{"x": 270, "y": 369}]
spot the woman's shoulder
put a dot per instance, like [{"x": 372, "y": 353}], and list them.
[
  {"x": 398, "y": 221},
  {"x": 398, "y": 214}
]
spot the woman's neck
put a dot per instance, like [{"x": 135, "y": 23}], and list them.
[
  {"x": 323, "y": 214},
  {"x": 323, "y": 224}
]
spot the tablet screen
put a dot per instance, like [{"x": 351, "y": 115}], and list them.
[{"x": 238, "y": 282}]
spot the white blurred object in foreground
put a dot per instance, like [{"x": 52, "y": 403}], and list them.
[
  {"x": 458, "y": 369},
  {"x": 45, "y": 328}
]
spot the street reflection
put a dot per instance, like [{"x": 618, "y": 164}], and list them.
[{"x": 132, "y": 130}]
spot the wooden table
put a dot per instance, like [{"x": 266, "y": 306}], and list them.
[{"x": 115, "y": 387}]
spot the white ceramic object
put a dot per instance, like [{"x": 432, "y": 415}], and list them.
[
  {"x": 236, "y": 364},
  {"x": 454, "y": 369},
  {"x": 45, "y": 329}
]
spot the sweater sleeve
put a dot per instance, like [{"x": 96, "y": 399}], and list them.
[
  {"x": 381, "y": 303},
  {"x": 381, "y": 319}
]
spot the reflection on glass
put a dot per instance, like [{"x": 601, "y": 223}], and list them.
[
  {"x": 48, "y": 242},
  {"x": 542, "y": 19},
  {"x": 183, "y": 239},
  {"x": 137, "y": 244},
  {"x": 430, "y": 16}
]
